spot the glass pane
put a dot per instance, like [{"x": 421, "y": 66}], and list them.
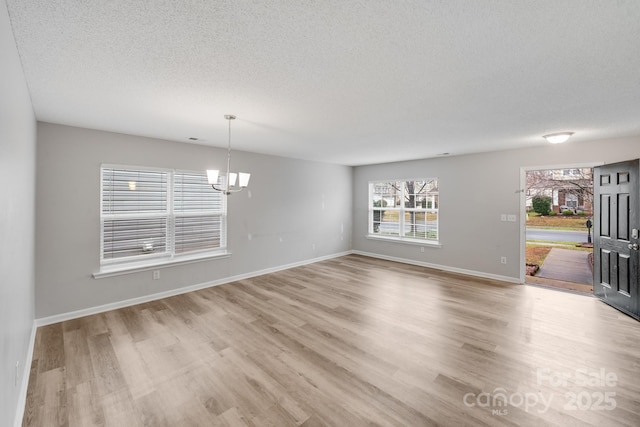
[
  {"x": 410, "y": 188},
  {"x": 133, "y": 237},
  {"x": 421, "y": 225},
  {"x": 377, "y": 217},
  {"x": 431, "y": 201},
  {"x": 386, "y": 194},
  {"x": 192, "y": 193},
  {"x": 131, "y": 191},
  {"x": 431, "y": 226},
  {"x": 421, "y": 194},
  {"x": 198, "y": 233},
  {"x": 386, "y": 223}
]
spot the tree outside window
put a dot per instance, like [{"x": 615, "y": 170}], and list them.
[{"x": 406, "y": 209}]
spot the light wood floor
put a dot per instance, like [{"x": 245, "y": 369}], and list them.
[{"x": 352, "y": 341}]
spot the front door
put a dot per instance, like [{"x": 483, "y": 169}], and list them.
[{"x": 616, "y": 227}]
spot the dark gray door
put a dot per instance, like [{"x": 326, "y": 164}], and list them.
[{"x": 616, "y": 227}]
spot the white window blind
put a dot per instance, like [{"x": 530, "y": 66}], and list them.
[
  {"x": 199, "y": 219},
  {"x": 134, "y": 213},
  {"x": 151, "y": 214}
]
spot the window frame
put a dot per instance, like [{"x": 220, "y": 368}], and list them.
[
  {"x": 573, "y": 203},
  {"x": 195, "y": 213},
  {"x": 127, "y": 264},
  {"x": 402, "y": 210}
]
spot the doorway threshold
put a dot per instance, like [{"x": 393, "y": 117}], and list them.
[{"x": 560, "y": 285}]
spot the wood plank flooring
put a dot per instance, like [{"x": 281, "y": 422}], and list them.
[{"x": 352, "y": 341}]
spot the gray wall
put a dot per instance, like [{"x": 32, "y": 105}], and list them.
[
  {"x": 17, "y": 195},
  {"x": 474, "y": 191},
  {"x": 291, "y": 205}
]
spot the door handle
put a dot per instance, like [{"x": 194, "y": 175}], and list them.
[{"x": 633, "y": 246}]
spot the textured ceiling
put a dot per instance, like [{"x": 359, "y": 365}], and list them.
[{"x": 349, "y": 82}]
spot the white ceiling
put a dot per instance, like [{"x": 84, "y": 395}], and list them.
[{"x": 350, "y": 82}]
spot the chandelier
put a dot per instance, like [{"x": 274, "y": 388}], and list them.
[{"x": 230, "y": 181}]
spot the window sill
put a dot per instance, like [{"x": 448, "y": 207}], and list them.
[
  {"x": 404, "y": 240},
  {"x": 117, "y": 270}
]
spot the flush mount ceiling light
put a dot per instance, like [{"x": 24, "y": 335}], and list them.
[
  {"x": 230, "y": 181},
  {"x": 558, "y": 138}
]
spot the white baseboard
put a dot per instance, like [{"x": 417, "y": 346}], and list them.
[
  {"x": 24, "y": 383},
  {"x": 441, "y": 267},
  {"x": 43, "y": 321},
  {"x": 152, "y": 297}
]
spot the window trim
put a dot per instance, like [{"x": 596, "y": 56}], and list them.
[
  {"x": 406, "y": 240},
  {"x": 117, "y": 266},
  {"x": 401, "y": 210},
  {"x": 155, "y": 263}
]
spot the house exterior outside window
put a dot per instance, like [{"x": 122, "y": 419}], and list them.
[
  {"x": 404, "y": 210},
  {"x": 568, "y": 188}
]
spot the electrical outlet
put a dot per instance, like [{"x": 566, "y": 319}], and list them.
[
  {"x": 503, "y": 217},
  {"x": 503, "y": 260},
  {"x": 421, "y": 248},
  {"x": 156, "y": 274}
]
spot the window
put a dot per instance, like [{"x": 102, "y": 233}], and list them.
[
  {"x": 571, "y": 200},
  {"x": 152, "y": 216},
  {"x": 571, "y": 172},
  {"x": 404, "y": 210}
]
